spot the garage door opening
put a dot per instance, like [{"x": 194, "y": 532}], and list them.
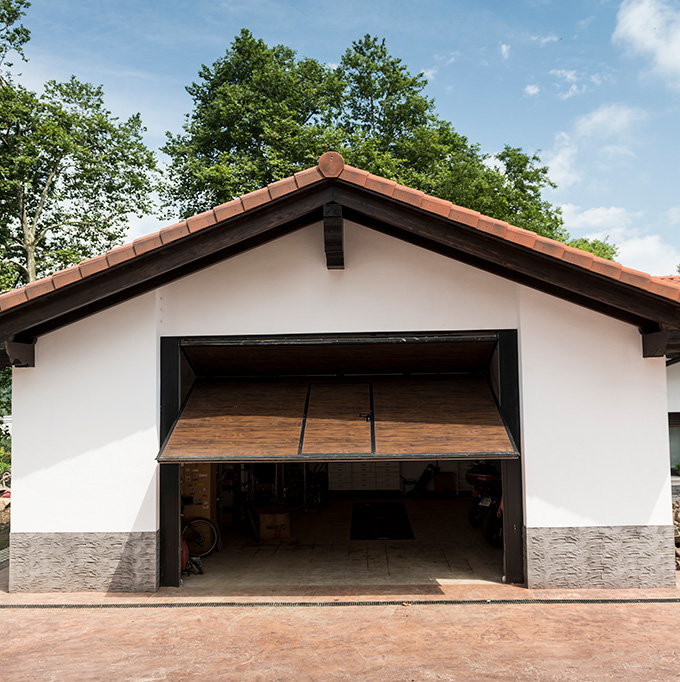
[
  {"x": 338, "y": 528},
  {"x": 346, "y": 449}
]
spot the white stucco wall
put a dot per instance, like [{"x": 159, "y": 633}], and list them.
[
  {"x": 284, "y": 287},
  {"x": 85, "y": 434},
  {"x": 594, "y": 426},
  {"x": 595, "y": 439}
]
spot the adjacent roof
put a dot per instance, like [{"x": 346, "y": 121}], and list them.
[{"x": 652, "y": 303}]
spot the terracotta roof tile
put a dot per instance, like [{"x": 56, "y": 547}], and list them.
[
  {"x": 120, "y": 254},
  {"x": 433, "y": 205},
  {"x": 331, "y": 164},
  {"x": 198, "y": 222},
  {"x": 408, "y": 195},
  {"x": 67, "y": 276},
  {"x": 354, "y": 175},
  {"x": 13, "y": 298},
  {"x": 255, "y": 199},
  {"x": 635, "y": 277},
  {"x": 94, "y": 265},
  {"x": 174, "y": 232},
  {"x": 39, "y": 287},
  {"x": 465, "y": 216},
  {"x": 660, "y": 287},
  {"x": 228, "y": 210},
  {"x": 522, "y": 237},
  {"x": 146, "y": 244},
  {"x": 282, "y": 187},
  {"x": 497, "y": 228},
  {"x": 577, "y": 257},
  {"x": 381, "y": 185},
  {"x": 606, "y": 267},
  {"x": 308, "y": 177},
  {"x": 548, "y": 246}
]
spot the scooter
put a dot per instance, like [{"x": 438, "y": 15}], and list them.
[{"x": 485, "y": 480}]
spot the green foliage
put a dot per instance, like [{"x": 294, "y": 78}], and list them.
[
  {"x": 602, "y": 248},
  {"x": 12, "y": 36},
  {"x": 5, "y": 460},
  {"x": 70, "y": 176},
  {"x": 261, "y": 114},
  {"x": 256, "y": 118}
]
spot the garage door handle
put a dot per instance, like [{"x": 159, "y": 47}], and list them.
[{"x": 366, "y": 415}]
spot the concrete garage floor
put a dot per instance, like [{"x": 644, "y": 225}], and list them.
[{"x": 319, "y": 558}]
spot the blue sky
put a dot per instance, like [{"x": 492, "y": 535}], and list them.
[{"x": 594, "y": 85}]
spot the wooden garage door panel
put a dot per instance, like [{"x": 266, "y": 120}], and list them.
[
  {"x": 239, "y": 420},
  {"x": 455, "y": 416},
  {"x": 334, "y": 422}
]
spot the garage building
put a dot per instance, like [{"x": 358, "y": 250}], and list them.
[{"x": 342, "y": 333}]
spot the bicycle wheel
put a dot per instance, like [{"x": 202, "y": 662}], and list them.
[{"x": 200, "y": 536}]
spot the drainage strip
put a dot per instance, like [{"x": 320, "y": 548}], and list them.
[{"x": 325, "y": 604}]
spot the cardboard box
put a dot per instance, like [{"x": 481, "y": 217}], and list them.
[{"x": 274, "y": 525}]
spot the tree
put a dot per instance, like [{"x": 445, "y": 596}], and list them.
[
  {"x": 257, "y": 117},
  {"x": 70, "y": 176},
  {"x": 261, "y": 114},
  {"x": 12, "y": 36}
]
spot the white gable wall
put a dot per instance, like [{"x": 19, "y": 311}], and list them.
[
  {"x": 284, "y": 287},
  {"x": 85, "y": 426},
  {"x": 593, "y": 410}
]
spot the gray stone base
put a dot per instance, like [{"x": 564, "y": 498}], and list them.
[
  {"x": 601, "y": 556},
  {"x": 76, "y": 562}
]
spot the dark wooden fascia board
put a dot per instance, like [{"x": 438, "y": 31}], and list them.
[
  {"x": 303, "y": 207},
  {"x": 511, "y": 261},
  {"x": 165, "y": 264}
]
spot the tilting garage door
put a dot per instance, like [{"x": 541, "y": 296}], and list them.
[{"x": 311, "y": 420}]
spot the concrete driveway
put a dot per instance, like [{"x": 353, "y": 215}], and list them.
[{"x": 472, "y": 632}]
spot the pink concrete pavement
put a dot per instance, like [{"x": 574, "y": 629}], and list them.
[{"x": 631, "y": 641}]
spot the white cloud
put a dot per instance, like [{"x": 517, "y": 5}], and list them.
[
  {"x": 505, "y": 50},
  {"x": 651, "y": 28},
  {"x": 672, "y": 215},
  {"x": 430, "y": 73},
  {"x": 600, "y": 221},
  {"x": 650, "y": 253},
  {"x": 447, "y": 58},
  {"x": 562, "y": 161},
  {"x": 332, "y": 65},
  {"x": 584, "y": 23},
  {"x": 573, "y": 90},
  {"x": 564, "y": 74},
  {"x": 544, "y": 40},
  {"x": 609, "y": 120},
  {"x": 571, "y": 78},
  {"x": 531, "y": 90}
]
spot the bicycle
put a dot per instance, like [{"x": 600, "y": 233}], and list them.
[{"x": 200, "y": 535}]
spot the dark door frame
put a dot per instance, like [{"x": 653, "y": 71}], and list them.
[{"x": 511, "y": 469}]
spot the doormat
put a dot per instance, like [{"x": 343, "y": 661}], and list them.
[{"x": 380, "y": 521}]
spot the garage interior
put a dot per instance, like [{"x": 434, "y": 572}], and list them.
[{"x": 332, "y": 463}]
